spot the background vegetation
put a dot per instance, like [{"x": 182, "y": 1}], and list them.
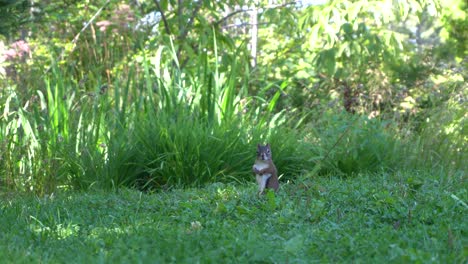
[{"x": 97, "y": 94}]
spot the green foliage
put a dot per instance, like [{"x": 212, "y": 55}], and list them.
[
  {"x": 14, "y": 13},
  {"x": 443, "y": 133},
  {"x": 375, "y": 217},
  {"x": 173, "y": 128},
  {"x": 107, "y": 105},
  {"x": 454, "y": 33},
  {"x": 349, "y": 145}
]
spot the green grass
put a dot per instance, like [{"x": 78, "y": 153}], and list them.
[{"x": 387, "y": 217}]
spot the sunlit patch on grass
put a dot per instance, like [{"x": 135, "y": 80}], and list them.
[
  {"x": 60, "y": 231},
  {"x": 98, "y": 232}
]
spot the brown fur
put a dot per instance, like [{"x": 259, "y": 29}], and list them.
[{"x": 264, "y": 161}]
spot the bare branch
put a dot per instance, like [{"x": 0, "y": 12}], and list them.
[
  {"x": 230, "y": 15},
  {"x": 248, "y": 10},
  {"x": 247, "y": 24},
  {"x": 184, "y": 34},
  {"x": 163, "y": 17}
]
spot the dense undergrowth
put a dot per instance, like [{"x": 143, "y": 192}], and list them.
[
  {"x": 122, "y": 109},
  {"x": 129, "y": 135},
  {"x": 64, "y": 139}
]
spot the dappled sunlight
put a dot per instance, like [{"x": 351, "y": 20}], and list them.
[{"x": 59, "y": 231}]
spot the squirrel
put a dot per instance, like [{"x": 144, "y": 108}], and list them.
[{"x": 265, "y": 170}]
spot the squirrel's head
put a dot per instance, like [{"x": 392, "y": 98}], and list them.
[{"x": 263, "y": 152}]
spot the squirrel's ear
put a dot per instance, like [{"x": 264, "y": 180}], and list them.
[
  {"x": 258, "y": 145},
  {"x": 268, "y": 144}
]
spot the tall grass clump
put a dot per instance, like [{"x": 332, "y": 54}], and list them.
[
  {"x": 441, "y": 141},
  {"x": 193, "y": 128},
  {"x": 345, "y": 144},
  {"x": 156, "y": 125},
  {"x": 183, "y": 151},
  {"x": 46, "y": 141}
]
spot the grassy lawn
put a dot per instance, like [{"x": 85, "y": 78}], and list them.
[{"x": 395, "y": 217}]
